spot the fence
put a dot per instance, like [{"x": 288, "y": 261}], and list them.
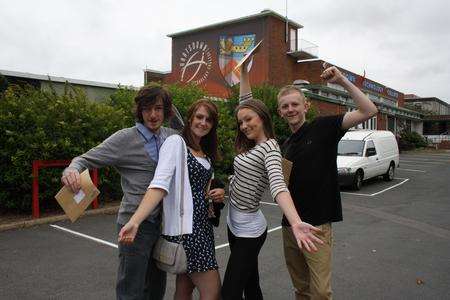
[{"x": 39, "y": 164}]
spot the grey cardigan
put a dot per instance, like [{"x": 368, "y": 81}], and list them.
[{"x": 124, "y": 150}]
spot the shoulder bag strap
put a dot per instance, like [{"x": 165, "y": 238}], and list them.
[{"x": 183, "y": 170}]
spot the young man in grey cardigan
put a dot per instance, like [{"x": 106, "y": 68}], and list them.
[{"x": 134, "y": 154}]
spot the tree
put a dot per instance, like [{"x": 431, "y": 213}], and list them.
[{"x": 3, "y": 83}]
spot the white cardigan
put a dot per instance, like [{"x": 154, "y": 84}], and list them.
[{"x": 168, "y": 177}]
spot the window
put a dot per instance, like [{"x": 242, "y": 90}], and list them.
[
  {"x": 370, "y": 124},
  {"x": 336, "y": 86},
  {"x": 350, "y": 148},
  {"x": 293, "y": 39},
  {"x": 391, "y": 124},
  {"x": 370, "y": 148}
]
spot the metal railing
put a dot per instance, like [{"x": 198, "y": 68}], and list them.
[
  {"x": 436, "y": 139},
  {"x": 297, "y": 45}
]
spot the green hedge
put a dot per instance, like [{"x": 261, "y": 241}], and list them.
[
  {"x": 3, "y": 84},
  {"x": 40, "y": 125},
  {"x": 411, "y": 140}
]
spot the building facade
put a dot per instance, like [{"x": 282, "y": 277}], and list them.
[
  {"x": 94, "y": 90},
  {"x": 206, "y": 57},
  {"x": 428, "y": 105}
]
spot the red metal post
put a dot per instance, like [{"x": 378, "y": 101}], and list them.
[
  {"x": 95, "y": 182},
  {"x": 35, "y": 204},
  {"x": 37, "y": 164}
]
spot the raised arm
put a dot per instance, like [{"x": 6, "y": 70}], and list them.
[
  {"x": 366, "y": 108},
  {"x": 245, "y": 90}
]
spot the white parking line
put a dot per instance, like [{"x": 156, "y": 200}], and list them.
[
  {"x": 382, "y": 191},
  {"x": 357, "y": 194},
  {"x": 412, "y": 170},
  {"x": 422, "y": 162},
  {"x": 425, "y": 159},
  {"x": 85, "y": 236},
  {"x": 389, "y": 188},
  {"x": 414, "y": 164},
  {"x": 269, "y": 203},
  {"x": 426, "y": 155},
  {"x": 222, "y": 246},
  {"x": 97, "y": 240}
]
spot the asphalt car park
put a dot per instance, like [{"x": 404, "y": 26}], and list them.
[{"x": 394, "y": 243}]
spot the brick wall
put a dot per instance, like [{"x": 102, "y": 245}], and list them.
[
  {"x": 401, "y": 100},
  {"x": 150, "y": 76},
  {"x": 327, "y": 108},
  {"x": 309, "y": 71},
  {"x": 444, "y": 145},
  {"x": 281, "y": 65},
  {"x": 381, "y": 121}
]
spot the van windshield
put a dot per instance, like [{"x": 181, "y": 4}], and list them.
[{"x": 350, "y": 148}]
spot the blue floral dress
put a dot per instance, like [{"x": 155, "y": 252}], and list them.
[{"x": 199, "y": 245}]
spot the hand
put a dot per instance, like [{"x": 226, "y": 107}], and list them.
[
  {"x": 304, "y": 234},
  {"x": 128, "y": 233},
  {"x": 333, "y": 75},
  {"x": 71, "y": 178},
  {"x": 217, "y": 195},
  {"x": 245, "y": 67}
]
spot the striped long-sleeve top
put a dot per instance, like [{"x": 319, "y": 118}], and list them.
[{"x": 255, "y": 171}]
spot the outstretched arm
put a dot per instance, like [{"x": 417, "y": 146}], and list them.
[
  {"x": 158, "y": 189},
  {"x": 303, "y": 232},
  {"x": 366, "y": 108},
  {"x": 104, "y": 154},
  {"x": 151, "y": 199}
]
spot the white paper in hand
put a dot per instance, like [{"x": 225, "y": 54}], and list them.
[{"x": 78, "y": 197}]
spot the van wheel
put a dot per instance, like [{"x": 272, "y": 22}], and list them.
[
  {"x": 389, "y": 176},
  {"x": 358, "y": 180}
]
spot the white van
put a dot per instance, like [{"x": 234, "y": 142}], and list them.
[{"x": 363, "y": 154}]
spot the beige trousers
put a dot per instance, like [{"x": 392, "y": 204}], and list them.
[{"x": 310, "y": 271}]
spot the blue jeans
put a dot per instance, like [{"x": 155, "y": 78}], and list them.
[{"x": 138, "y": 278}]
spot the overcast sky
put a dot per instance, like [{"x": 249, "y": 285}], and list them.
[{"x": 402, "y": 44}]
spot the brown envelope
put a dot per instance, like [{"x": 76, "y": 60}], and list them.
[
  {"x": 74, "y": 205},
  {"x": 286, "y": 165}
]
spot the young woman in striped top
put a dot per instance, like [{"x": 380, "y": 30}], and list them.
[{"x": 256, "y": 168}]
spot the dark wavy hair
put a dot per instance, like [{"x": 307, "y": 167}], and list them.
[
  {"x": 148, "y": 96},
  {"x": 242, "y": 143},
  {"x": 208, "y": 143}
]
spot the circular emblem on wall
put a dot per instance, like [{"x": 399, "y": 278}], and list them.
[{"x": 195, "y": 62}]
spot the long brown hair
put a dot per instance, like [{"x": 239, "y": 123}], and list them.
[
  {"x": 242, "y": 143},
  {"x": 208, "y": 143}
]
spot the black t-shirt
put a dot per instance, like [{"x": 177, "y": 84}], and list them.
[{"x": 313, "y": 183}]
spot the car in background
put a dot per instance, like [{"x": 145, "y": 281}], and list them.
[{"x": 364, "y": 154}]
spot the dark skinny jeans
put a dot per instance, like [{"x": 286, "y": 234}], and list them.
[{"x": 242, "y": 275}]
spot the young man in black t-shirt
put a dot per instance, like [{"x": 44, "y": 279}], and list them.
[{"x": 312, "y": 148}]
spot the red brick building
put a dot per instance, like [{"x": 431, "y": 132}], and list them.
[{"x": 206, "y": 57}]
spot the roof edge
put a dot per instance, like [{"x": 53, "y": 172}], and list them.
[
  {"x": 62, "y": 79},
  {"x": 264, "y": 13}
]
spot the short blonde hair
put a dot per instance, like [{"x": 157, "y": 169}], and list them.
[{"x": 289, "y": 89}]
